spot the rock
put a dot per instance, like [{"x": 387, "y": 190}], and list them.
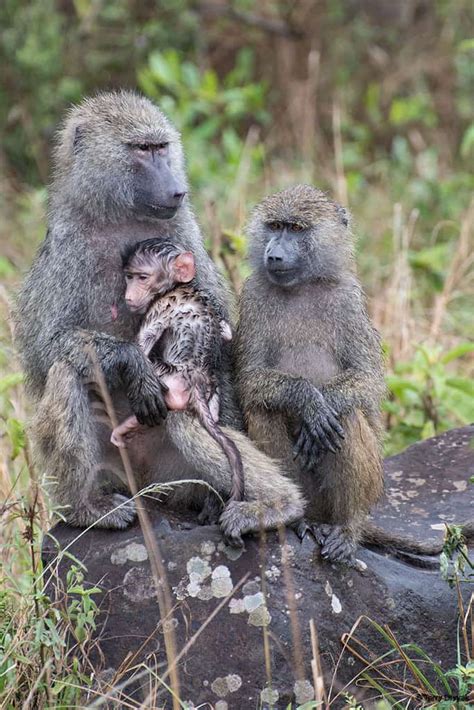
[{"x": 426, "y": 486}]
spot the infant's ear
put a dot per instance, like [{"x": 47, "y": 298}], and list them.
[{"x": 184, "y": 267}]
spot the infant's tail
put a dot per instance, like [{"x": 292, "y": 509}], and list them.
[{"x": 228, "y": 446}]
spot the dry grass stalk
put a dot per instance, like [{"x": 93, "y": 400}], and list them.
[
  {"x": 144, "y": 670},
  {"x": 297, "y": 646},
  {"x": 266, "y": 637},
  {"x": 341, "y": 182},
  {"x": 156, "y": 562},
  {"x": 459, "y": 268},
  {"x": 309, "y": 120},
  {"x": 318, "y": 678},
  {"x": 238, "y": 191},
  {"x": 396, "y": 320}
]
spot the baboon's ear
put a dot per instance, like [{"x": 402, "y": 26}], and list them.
[
  {"x": 184, "y": 267},
  {"x": 343, "y": 215},
  {"x": 78, "y": 139}
]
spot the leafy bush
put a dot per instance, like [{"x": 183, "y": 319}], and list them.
[{"x": 426, "y": 398}]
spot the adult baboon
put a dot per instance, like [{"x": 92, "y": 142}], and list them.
[
  {"x": 119, "y": 177},
  {"x": 309, "y": 362},
  {"x": 310, "y": 371}
]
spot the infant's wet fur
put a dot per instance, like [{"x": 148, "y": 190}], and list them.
[{"x": 182, "y": 335}]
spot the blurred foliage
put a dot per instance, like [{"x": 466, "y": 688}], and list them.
[
  {"x": 426, "y": 399},
  {"x": 212, "y": 114},
  {"x": 372, "y": 101}
]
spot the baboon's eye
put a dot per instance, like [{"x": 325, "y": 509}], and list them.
[
  {"x": 275, "y": 226},
  {"x": 160, "y": 148},
  {"x": 295, "y": 227}
]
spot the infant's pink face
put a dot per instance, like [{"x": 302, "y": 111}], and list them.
[{"x": 177, "y": 396}]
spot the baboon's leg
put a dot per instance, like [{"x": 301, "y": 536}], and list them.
[
  {"x": 272, "y": 499},
  {"x": 65, "y": 437},
  {"x": 348, "y": 483}
]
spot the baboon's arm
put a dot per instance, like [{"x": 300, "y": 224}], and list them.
[
  {"x": 150, "y": 334},
  {"x": 83, "y": 349},
  {"x": 121, "y": 363},
  {"x": 274, "y": 390},
  {"x": 349, "y": 390},
  {"x": 360, "y": 384}
]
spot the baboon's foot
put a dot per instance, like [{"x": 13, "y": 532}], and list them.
[
  {"x": 301, "y": 528},
  {"x": 211, "y": 510},
  {"x": 113, "y": 511},
  {"x": 337, "y": 543},
  {"x": 234, "y": 523}
]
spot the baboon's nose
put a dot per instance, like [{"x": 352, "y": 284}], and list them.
[{"x": 178, "y": 197}]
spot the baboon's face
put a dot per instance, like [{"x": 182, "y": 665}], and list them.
[
  {"x": 298, "y": 236},
  {"x": 143, "y": 283},
  {"x": 283, "y": 256},
  {"x": 149, "y": 275},
  {"x": 156, "y": 190},
  {"x": 118, "y": 157}
]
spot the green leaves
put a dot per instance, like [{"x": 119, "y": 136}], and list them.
[
  {"x": 414, "y": 108},
  {"x": 426, "y": 398}
]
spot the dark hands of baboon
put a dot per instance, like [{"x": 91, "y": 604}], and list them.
[
  {"x": 119, "y": 177},
  {"x": 182, "y": 334},
  {"x": 310, "y": 374}
]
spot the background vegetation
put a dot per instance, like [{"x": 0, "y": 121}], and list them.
[{"x": 370, "y": 99}]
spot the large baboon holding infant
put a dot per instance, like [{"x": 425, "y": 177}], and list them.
[{"x": 119, "y": 177}]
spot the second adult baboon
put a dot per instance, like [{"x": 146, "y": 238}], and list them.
[
  {"x": 119, "y": 177},
  {"x": 310, "y": 371},
  {"x": 309, "y": 362}
]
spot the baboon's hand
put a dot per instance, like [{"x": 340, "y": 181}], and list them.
[
  {"x": 308, "y": 455},
  {"x": 145, "y": 392},
  {"x": 320, "y": 431}
]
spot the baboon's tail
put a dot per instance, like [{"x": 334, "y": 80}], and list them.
[{"x": 228, "y": 446}]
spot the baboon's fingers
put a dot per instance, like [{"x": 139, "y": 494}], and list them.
[
  {"x": 330, "y": 434},
  {"x": 307, "y": 452},
  {"x": 323, "y": 438},
  {"x": 338, "y": 546},
  {"x": 335, "y": 426},
  {"x": 304, "y": 449},
  {"x": 298, "y": 447},
  {"x": 315, "y": 453},
  {"x": 301, "y": 528}
]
